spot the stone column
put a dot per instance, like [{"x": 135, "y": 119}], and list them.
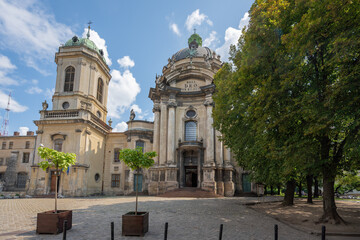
[
  {"x": 163, "y": 127},
  {"x": 156, "y": 138},
  {"x": 171, "y": 134},
  {"x": 209, "y": 134},
  {"x": 227, "y": 156}
]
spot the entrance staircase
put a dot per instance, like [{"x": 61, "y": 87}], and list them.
[{"x": 189, "y": 192}]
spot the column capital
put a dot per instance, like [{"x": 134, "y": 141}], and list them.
[
  {"x": 172, "y": 105},
  {"x": 156, "y": 108},
  {"x": 209, "y": 103}
]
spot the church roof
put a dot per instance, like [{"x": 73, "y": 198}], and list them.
[
  {"x": 195, "y": 49},
  {"x": 75, "y": 41}
]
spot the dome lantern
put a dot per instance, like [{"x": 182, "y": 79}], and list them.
[{"x": 195, "y": 40}]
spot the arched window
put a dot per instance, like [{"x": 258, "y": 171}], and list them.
[
  {"x": 140, "y": 144},
  {"x": 69, "y": 79},
  {"x": 190, "y": 131},
  {"x": 99, "y": 95}
]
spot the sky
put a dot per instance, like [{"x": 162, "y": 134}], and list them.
[{"x": 137, "y": 38}]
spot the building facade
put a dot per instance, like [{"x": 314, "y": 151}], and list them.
[{"x": 189, "y": 151}]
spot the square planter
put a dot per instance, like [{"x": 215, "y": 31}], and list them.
[
  {"x": 53, "y": 223},
  {"x": 135, "y": 225}
]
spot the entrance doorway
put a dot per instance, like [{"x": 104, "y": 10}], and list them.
[
  {"x": 246, "y": 183},
  {"x": 139, "y": 182},
  {"x": 53, "y": 182},
  {"x": 191, "y": 176}
]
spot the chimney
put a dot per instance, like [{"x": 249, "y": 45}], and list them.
[
  {"x": 30, "y": 133},
  {"x": 16, "y": 133}
]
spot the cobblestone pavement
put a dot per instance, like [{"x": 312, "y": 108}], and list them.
[{"x": 188, "y": 218}]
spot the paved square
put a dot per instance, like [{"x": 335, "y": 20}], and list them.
[{"x": 188, "y": 218}]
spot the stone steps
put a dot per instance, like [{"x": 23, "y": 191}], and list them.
[{"x": 189, "y": 193}]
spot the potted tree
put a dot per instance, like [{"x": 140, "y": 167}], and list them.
[
  {"x": 136, "y": 223},
  {"x": 52, "y": 221}
]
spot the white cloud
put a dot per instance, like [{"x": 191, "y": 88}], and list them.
[
  {"x": 232, "y": 36},
  {"x": 244, "y": 21},
  {"x": 23, "y": 130},
  {"x": 123, "y": 90},
  {"x": 211, "y": 40},
  {"x": 34, "y": 81},
  {"x": 126, "y": 62},
  {"x": 196, "y": 19},
  {"x": 6, "y": 67},
  {"x": 34, "y": 90},
  {"x": 27, "y": 29},
  {"x": 5, "y": 63},
  {"x": 136, "y": 108},
  {"x": 175, "y": 29},
  {"x": 120, "y": 127},
  {"x": 99, "y": 42},
  {"x": 14, "y": 105},
  {"x": 49, "y": 93}
]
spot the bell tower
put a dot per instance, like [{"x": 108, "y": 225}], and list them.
[
  {"x": 77, "y": 121},
  {"x": 83, "y": 77}
]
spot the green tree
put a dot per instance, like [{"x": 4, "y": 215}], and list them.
[
  {"x": 347, "y": 182},
  {"x": 135, "y": 159},
  {"x": 292, "y": 96},
  {"x": 60, "y": 161}
]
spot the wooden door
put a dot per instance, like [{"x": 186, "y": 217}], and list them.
[{"x": 53, "y": 182}]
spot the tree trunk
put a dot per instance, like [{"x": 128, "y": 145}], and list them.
[
  {"x": 289, "y": 193},
  {"x": 330, "y": 214},
  {"x": 316, "y": 188},
  {"x": 300, "y": 189},
  {"x": 309, "y": 183},
  {"x": 271, "y": 190},
  {"x": 56, "y": 187},
  {"x": 278, "y": 190},
  {"x": 136, "y": 190}
]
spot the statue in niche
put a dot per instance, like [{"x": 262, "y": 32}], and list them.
[
  {"x": 132, "y": 115},
  {"x": 45, "y": 105}
]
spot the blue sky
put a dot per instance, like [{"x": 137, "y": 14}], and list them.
[{"x": 137, "y": 36}]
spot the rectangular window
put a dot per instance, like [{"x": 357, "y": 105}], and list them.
[
  {"x": 116, "y": 154},
  {"x": 27, "y": 144},
  {"x": 26, "y": 157},
  {"x": 11, "y": 144},
  {"x": 115, "y": 180},
  {"x": 3, "y": 145}
]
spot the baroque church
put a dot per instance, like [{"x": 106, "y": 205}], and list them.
[{"x": 190, "y": 154}]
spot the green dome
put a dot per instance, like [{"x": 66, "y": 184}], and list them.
[
  {"x": 75, "y": 41},
  {"x": 195, "y": 37}
]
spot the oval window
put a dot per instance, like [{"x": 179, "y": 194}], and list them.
[
  {"x": 66, "y": 105},
  {"x": 98, "y": 113},
  {"x": 97, "y": 177},
  {"x": 190, "y": 113}
]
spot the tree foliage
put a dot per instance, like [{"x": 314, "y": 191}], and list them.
[
  {"x": 136, "y": 159},
  {"x": 55, "y": 159},
  {"x": 290, "y": 103}
]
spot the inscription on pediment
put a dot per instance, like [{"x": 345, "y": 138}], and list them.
[{"x": 190, "y": 85}]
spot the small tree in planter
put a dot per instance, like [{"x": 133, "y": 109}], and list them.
[
  {"x": 136, "y": 223},
  {"x": 52, "y": 221}
]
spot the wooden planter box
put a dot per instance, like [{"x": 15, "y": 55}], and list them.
[
  {"x": 53, "y": 223},
  {"x": 135, "y": 225}
]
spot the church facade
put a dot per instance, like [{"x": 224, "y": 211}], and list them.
[{"x": 190, "y": 153}]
